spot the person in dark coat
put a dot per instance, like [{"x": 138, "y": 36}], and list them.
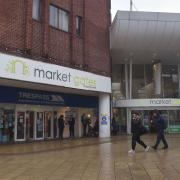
[
  {"x": 136, "y": 129},
  {"x": 71, "y": 123},
  {"x": 160, "y": 126},
  {"x": 84, "y": 122},
  {"x": 61, "y": 126}
]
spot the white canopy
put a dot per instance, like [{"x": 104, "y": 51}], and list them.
[{"x": 146, "y": 37}]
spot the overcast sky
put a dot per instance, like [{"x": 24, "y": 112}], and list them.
[{"x": 146, "y": 5}]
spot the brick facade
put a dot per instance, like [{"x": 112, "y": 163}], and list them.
[{"x": 20, "y": 34}]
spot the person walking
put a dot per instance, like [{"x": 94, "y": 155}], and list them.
[
  {"x": 160, "y": 126},
  {"x": 137, "y": 130},
  {"x": 71, "y": 123},
  {"x": 61, "y": 126},
  {"x": 84, "y": 124}
]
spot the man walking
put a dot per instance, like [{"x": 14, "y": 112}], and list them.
[{"x": 160, "y": 126}]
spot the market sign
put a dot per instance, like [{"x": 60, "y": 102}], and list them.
[
  {"x": 23, "y": 69},
  {"x": 148, "y": 103}
]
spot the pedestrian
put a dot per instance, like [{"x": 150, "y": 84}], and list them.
[
  {"x": 61, "y": 126},
  {"x": 71, "y": 123},
  {"x": 84, "y": 124},
  {"x": 160, "y": 126},
  {"x": 137, "y": 130}
]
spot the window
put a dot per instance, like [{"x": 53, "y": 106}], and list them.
[
  {"x": 59, "y": 18},
  {"x": 78, "y": 25},
  {"x": 53, "y": 16},
  {"x": 36, "y": 10}
]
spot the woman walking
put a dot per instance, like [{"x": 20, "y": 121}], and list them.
[{"x": 137, "y": 130}]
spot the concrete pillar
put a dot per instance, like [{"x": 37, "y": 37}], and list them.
[
  {"x": 127, "y": 81},
  {"x": 179, "y": 80},
  {"x": 128, "y": 121},
  {"x": 104, "y": 115},
  {"x": 157, "y": 68},
  {"x": 130, "y": 79}
]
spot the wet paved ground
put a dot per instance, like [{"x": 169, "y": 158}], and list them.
[{"x": 89, "y": 159}]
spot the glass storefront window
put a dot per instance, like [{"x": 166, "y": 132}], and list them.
[
  {"x": 6, "y": 125},
  {"x": 118, "y": 82},
  {"x": 20, "y": 125},
  {"x": 120, "y": 115},
  {"x": 138, "y": 82},
  {"x": 169, "y": 81},
  {"x": 39, "y": 125},
  {"x": 48, "y": 124}
]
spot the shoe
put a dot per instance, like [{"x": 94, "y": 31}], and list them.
[
  {"x": 147, "y": 149},
  {"x": 166, "y": 147},
  {"x": 131, "y": 151},
  {"x": 155, "y": 148}
]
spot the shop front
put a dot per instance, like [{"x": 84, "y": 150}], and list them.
[
  {"x": 34, "y": 94},
  {"x": 27, "y": 115}
]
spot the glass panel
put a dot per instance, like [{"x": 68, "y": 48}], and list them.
[
  {"x": 170, "y": 81},
  {"x": 48, "y": 124},
  {"x": 29, "y": 125},
  {"x": 118, "y": 82},
  {"x": 138, "y": 82},
  {"x": 120, "y": 118},
  {"x": 174, "y": 121},
  {"x": 6, "y": 125},
  {"x": 39, "y": 125},
  {"x": 20, "y": 125},
  {"x": 36, "y": 9},
  {"x": 174, "y": 117},
  {"x": 63, "y": 20},
  {"x": 53, "y": 16},
  {"x": 149, "y": 83}
]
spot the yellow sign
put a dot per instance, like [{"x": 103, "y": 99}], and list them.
[
  {"x": 85, "y": 82},
  {"x": 12, "y": 67}
]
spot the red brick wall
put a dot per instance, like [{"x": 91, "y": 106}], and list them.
[
  {"x": 38, "y": 40},
  {"x": 12, "y": 23}
]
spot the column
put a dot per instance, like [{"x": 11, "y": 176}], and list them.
[
  {"x": 130, "y": 79},
  {"x": 127, "y": 81},
  {"x": 157, "y": 78},
  {"x": 104, "y": 115},
  {"x": 128, "y": 121},
  {"x": 179, "y": 80}
]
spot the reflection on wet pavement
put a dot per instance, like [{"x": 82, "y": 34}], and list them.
[{"x": 89, "y": 159}]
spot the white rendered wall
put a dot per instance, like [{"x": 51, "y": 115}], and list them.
[{"x": 104, "y": 115}]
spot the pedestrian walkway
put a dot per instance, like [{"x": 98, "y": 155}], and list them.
[{"x": 89, "y": 159}]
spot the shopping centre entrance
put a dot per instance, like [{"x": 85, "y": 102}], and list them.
[{"x": 170, "y": 115}]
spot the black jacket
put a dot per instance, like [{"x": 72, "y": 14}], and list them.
[{"x": 136, "y": 126}]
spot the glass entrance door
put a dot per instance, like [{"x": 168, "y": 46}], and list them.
[
  {"x": 48, "y": 122},
  {"x": 29, "y": 125},
  {"x": 39, "y": 126},
  {"x": 20, "y": 126}
]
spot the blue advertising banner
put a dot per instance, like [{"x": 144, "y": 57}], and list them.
[{"x": 38, "y": 97}]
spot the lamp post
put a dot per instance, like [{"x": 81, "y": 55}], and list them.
[{"x": 131, "y": 5}]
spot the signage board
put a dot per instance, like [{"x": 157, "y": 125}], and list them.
[{"x": 23, "y": 69}]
